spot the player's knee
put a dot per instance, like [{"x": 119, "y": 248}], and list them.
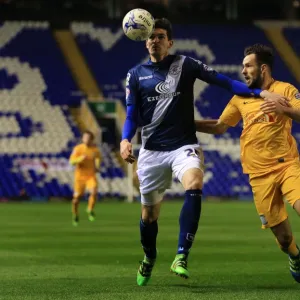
[
  {"x": 75, "y": 200},
  {"x": 149, "y": 219},
  {"x": 194, "y": 184},
  {"x": 150, "y": 213},
  {"x": 192, "y": 179},
  {"x": 284, "y": 239},
  {"x": 94, "y": 193}
]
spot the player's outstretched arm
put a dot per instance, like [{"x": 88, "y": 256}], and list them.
[
  {"x": 241, "y": 89},
  {"x": 211, "y": 126},
  {"x": 207, "y": 74}
]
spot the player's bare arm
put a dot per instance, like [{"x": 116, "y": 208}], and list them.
[
  {"x": 274, "y": 106},
  {"x": 211, "y": 126}
]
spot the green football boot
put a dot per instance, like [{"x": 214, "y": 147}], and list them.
[
  {"x": 179, "y": 266},
  {"x": 144, "y": 271},
  {"x": 91, "y": 215},
  {"x": 75, "y": 221}
]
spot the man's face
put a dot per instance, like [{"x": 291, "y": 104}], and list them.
[
  {"x": 158, "y": 43},
  {"x": 87, "y": 139},
  {"x": 252, "y": 71}
]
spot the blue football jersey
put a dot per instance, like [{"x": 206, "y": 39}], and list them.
[{"x": 163, "y": 93}]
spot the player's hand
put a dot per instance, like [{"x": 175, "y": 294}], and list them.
[
  {"x": 126, "y": 151},
  {"x": 270, "y": 106},
  {"x": 266, "y": 95}
]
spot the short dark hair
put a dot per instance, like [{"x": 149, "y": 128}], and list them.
[
  {"x": 89, "y": 133},
  {"x": 264, "y": 54},
  {"x": 165, "y": 24}
]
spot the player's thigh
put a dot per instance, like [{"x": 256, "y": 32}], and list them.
[
  {"x": 188, "y": 165},
  {"x": 153, "y": 172},
  {"x": 79, "y": 188},
  {"x": 92, "y": 185},
  {"x": 290, "y": 185},
  {"x": 268, "y": 200}
]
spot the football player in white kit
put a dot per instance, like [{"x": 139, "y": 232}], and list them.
[{"x": 159, "y": 93}]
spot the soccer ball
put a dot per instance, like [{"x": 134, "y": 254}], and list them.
[{"x": 138, "y": 24}]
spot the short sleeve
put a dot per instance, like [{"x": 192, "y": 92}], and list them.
[
  {"x": 231, "y": 115},
  {"x": 293, "y": 95}
]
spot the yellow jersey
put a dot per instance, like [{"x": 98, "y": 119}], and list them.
[
  {"x": 266, "y": 141},
  {"x": 87, "y": 167}
]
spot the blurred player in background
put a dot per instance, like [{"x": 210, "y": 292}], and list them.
[
  {"x": 160, "y": 92},
  {"x": 86, "y": 158},
  {"x": 268, "y": 150}
]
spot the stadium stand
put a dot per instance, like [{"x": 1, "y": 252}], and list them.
[
  {"x": 37, "y": 131},
  {"x": 292, "y": 35}
]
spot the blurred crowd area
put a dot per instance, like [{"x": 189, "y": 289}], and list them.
[{"x": 180, "y": 11}]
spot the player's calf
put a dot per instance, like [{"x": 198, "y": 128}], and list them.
[
  {"x": 188, "y": 220},
  {"x": 91, "y": 205},
  {"x": 75, "y": 213},
  {"x": 148, "y": 239},
  {"x": 286, "y": 243}
]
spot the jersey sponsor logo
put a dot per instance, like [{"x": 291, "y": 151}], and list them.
[
  {"x": 163, "y": 96},
  {"x": 255, "y": 118},
  {"x": 297, "y": 96},
  {"x": 145, "y": 77},
  {"x": 163, "y": 87}
]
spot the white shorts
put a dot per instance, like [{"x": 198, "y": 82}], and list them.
[{"x": 155, "y": 169}]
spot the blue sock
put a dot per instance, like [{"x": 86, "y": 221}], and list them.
[
  {"x": 188, "y": 220},
  {"x": 148, "y": 238}
]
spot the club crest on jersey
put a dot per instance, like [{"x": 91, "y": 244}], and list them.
[
  {"x": 297, "y": 96},
  {"x": 175, "y": 70}
]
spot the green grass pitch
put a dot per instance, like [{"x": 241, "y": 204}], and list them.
[{"x": 43, "y": 257}]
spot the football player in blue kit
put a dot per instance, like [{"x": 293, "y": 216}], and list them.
[{"x": 160, "y": 94}]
